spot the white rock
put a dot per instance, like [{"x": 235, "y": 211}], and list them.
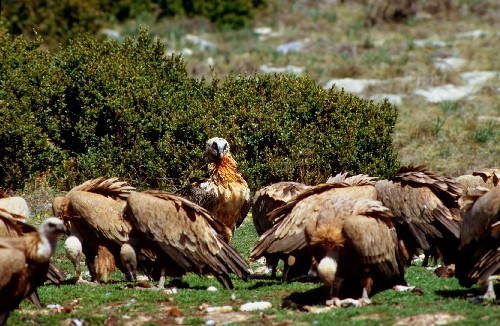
[
  {"x": 473, "y": 34},
  {"x": 204, "y": 44},
  {"x": 258, "y": 305},
  {"x": 187, "y": 52},
  {"x": 288, "y": 69},
  {"x": 219, "y": 309},
  {"x": 212, "y": 288},
  {"x": 449, "y": 63},
  {"x": 295, "y": 46},
  {"x": 394, "y": 99},
  {"x": 478, "y": 77},
  {"x": 263, "y": 30},
  {"x": 431, "y": 43},
  {"x": 352, "y": 85},
  {"x": 446, "y": 92}
]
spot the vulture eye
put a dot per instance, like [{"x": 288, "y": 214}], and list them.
[
  {"x": 214, "y": 145},
  {"x": 225, "y": 147}
]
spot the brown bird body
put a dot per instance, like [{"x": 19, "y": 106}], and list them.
[
  {"x": 93, "y": 212},
  {"x": 287, "y": 237},
  {"x": 182, "y": 237},
  {"x": 485, "y": 178},
  {"x": 426, "y": 210},
  {"x": 225, "y": 194},
  {"x": 25, "y": 262},
  {"x": 266, "y": 200},
  {"x": 479, "y": 252},
  {"x": 354, "y": 247}
]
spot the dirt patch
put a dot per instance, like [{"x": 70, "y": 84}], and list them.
[{"x": 440, "y": 318}]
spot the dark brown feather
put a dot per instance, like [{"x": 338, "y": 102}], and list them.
[{"x": 193, "y": 240}]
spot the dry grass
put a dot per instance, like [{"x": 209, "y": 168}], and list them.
[{"x": 339, "y": 45}]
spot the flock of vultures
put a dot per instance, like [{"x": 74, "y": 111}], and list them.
[{"x": 356, "y": 234}]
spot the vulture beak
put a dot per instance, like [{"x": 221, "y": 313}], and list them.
[{"x": 217, "y": 147}]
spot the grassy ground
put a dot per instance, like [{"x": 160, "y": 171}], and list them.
[{"x": 120, "y": 303}]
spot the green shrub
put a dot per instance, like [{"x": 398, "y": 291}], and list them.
[{"x": 129, "y": 110}]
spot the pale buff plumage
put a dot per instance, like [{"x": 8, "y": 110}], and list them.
[{"x": 25, "y": 262}]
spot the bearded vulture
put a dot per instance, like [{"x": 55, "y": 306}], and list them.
[
  {"x": 354, "y": 248},
  {"x": 181, "y": 237},
  {"x": 426, "y": 211},
  {"x": 225, "y": 194},
  {"x": 286, "y": 237},
  {"x": 93, "y": 212},
  {"x": 25, "y": 262},
  {"x": 479, "y": 251},
  {"x": 266, "y": 200}
]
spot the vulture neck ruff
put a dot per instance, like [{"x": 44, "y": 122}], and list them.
[{"x": 226, "y": 171}]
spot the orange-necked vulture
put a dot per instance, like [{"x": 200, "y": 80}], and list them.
[{"x": 225, "y": 193}]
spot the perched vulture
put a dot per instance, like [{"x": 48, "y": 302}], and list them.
[
  {"x": 93, "y": 212},
  {"x": 25, "y": 262},
  {"x": 286, "y": 236},
  {"x": 225, "y": 194},
  {"x": 426, "y": 211},
  {"x": 479, "y": 251},
  {"x": 181, "y": 237},
  {"x": 266, "y": 200},
  {"x": 354, "y": 247}
]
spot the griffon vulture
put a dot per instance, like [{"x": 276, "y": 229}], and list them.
[
  {"x": 354, "y": 247},
  {"x": 479, "y": 251},
  {"x": 25, "y": 262},
  {"x": 225, "y": 194},
  {"x": 266, "y": 200},
  {"x": 286, "y": 236},
  {"x": 426, "y": 211},
  {"x": 13, "y": 225},
  {"x": 93, "y": 212},
  {"x": 182, "y": 237}
]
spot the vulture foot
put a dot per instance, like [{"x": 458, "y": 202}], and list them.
[{"x": 490, "y": 290}]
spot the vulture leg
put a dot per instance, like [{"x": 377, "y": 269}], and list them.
[
  {"x": 226, "y": 281},
  {"x": 161, "y": 282},
  {"x": 490, "y": 290},
  {"x": 367, "y": 283},
  {"x": 3, "y": 317},
  {"x": 104, "y": 264}
]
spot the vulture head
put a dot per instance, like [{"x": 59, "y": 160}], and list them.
[
  {"x": 49, "y": 230},
  {"x": 129, "y": 261},
  {"x": 216, "y": 149}
]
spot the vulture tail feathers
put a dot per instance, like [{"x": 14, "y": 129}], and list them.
[{"x": 55, "y": 274}]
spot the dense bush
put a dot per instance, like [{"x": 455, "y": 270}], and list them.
[
  {"x": 101, "y": 108},
  {"x": 58, "y": 21}
]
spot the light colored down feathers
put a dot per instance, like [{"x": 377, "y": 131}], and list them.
[
  {"x": 287, "y": 234},
  {"x": 185, "y": 235}
]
